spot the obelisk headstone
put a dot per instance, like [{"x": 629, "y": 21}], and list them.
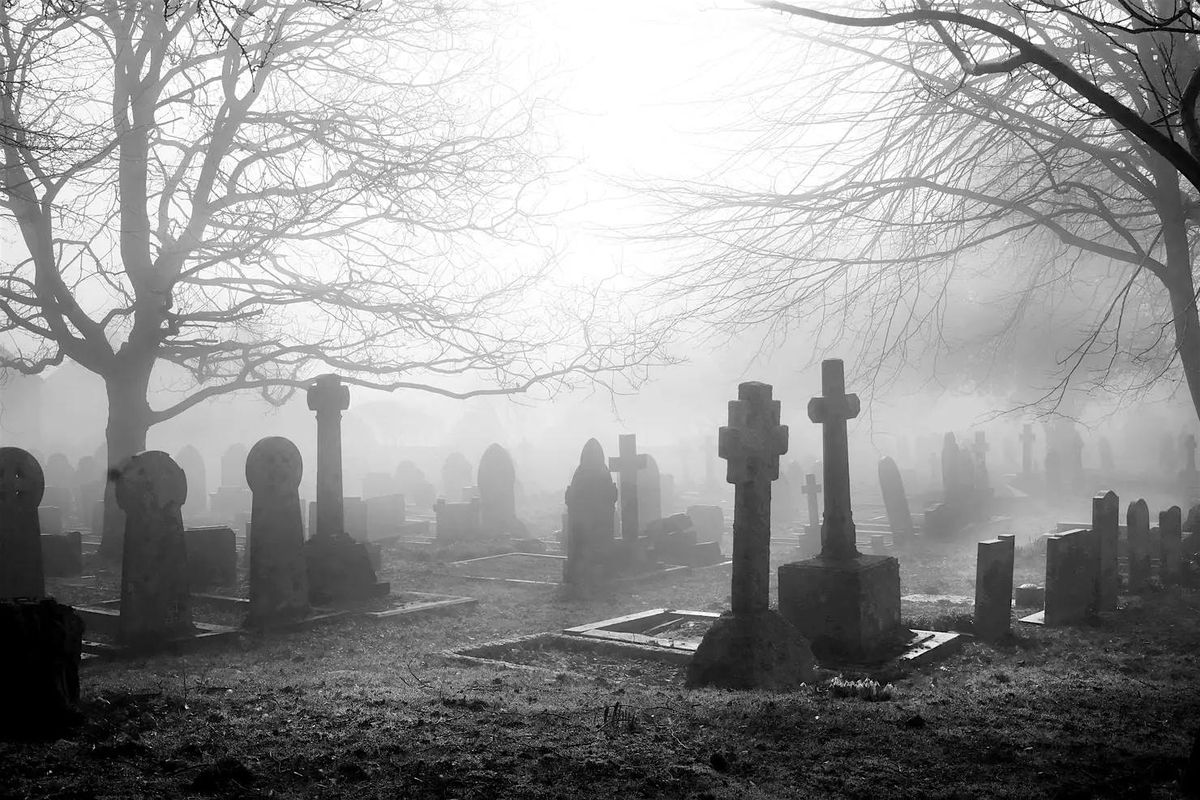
[
  {"x": 155, "y": 600},
  {"x": 278, "y": 574},
  {"x": 21, "y": 487},
  {"x": 752, "y": 646}
]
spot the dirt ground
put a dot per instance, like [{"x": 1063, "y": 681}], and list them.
[{"x": 371, "y": 709}]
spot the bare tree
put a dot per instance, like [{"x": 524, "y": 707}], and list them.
[
  {"x": 1052, "y": 146},
  {"x": 234, "y": 196}
]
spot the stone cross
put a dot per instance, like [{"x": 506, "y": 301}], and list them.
[
  {"x": 329, "y": 398},
  {"x": 626, "y": 464},
  {"x": 751, "y": 445},
  {"x": 1027, "y": 438},
  {"x": 831, "y": 410},
  {"x": 278, "y": 574},
  {"x": 155, "y": 599},
  {"x": 21, "y": 488},
  {"x": 811, "y": 487}
]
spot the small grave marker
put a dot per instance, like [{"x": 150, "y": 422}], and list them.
[{"x": 994, "y": 587}]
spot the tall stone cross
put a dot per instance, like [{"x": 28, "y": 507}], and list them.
[
  {"x": 329, "y": 398},
  {"x": 1027, "y": 438},
  {"x": 831, "y": 411},
  {"x": 626, "y": 464},
  {"x": 810, "y": 490},
  {"x": 751, "y": 445}
]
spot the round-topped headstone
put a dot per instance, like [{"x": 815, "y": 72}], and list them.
[
  {"x": 21, "y": 479},
  {"x": 151, "y": 478},
  {"x": 274, "y": 464}
]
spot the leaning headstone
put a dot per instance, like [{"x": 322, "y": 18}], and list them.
[
  {"x": 1137, "y": 532},
  {"x": 155, "y": 603},
  {"x": 709, "y": 522},
  {"x": 1106, "y": 511},
  {"x": 21, "y": 486},
  {"x": 896, "y": 502},
  {"x": 192, "y": 464},
  {"x": 1171, "y": 545},
  {"x": 278, "y": 576},
  {"x": 1072, "y": 565},
  {"x": 649, "y": 493},
  {"x": 845, "y": 603},
  {"x": 497, "y": 494},
  {"x": 994, "y": 587},
  {"x": 752, "y": 646},
  {"x": 591, "y": 521}
]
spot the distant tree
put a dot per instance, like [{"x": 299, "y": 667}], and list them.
[
  {"x": 1049, "y": 151},
  {"x": 247, "y": 193}
]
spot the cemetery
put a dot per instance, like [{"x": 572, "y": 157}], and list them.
[{"x": 720, "y": 401}]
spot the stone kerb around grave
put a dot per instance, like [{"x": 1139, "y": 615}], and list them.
[
  {"x": 21, "y": 488},
  {"x": 278, "y": 573},
  {"x": 155, "y": 599}
]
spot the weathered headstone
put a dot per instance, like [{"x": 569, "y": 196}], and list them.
[
  {"x": 339, "y": 568},
  {"x": 155, "y": 603},
  {"x": 1170, "y": 545},
  {"x": 811, "y": 490},
  {"x": 21, "y": 486},
  {"x": 591, "y": 523},
  {"x": 994, "y": 587},
  {"x": 457, "y": 475},
  {"x": 896, "y": 502},
  {"x": 752, "y": 646},
  {"x": 626, "y": 464},
  {"x": 192, "y": 463},
  {"x": 1072, "y": 564},
  {"x": 278, "y": 574},
  {"x": 1137, "y": 532},
  {"x": 845, "y": 603},
  {"x": 497, "y": 494},
  {"x": 1106, "y": 512},
  {"x": 649, "y": 493}
]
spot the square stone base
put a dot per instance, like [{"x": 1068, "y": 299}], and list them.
[{"x": 849, "y": 610}]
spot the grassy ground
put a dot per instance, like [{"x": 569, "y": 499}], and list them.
[{"x": 370, "y": 709}]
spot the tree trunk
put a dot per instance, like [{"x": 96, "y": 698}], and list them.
[{"x": 129, "y": 419}]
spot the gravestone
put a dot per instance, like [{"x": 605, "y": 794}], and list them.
[
  {"x": 455, "y": 522},
  {"x": 211, "y": 556},
  {"x": 497, "y": 494},
  {"x": 1106, "y": 511},
  {"x": 457, "y": 475},
  {"x": 1027, "y": 439},
  {"x": 1170, "y": 545},
  {"x": 752, "y": 646},
  {"x": 626, "y": 464},
  {"x": 21, "y": 486},
  {"x": 233, "y": 466},
  {"x": 155, "y": 603},
  {"x": 192, "y": 463},
  {"x": 339, "y": 568},
  {"x": 591, "y": 524},
  {"x": 811, "y": 490},
  {"x": 278, "y": 574},
  {"x": 845, "y": 603},
  {"x": 994, "y": 587},
  {"x": 1137, "y": 532},
  {"x": 649, "y": 493},
  {"x": 896, "y": 502},
  {"x": 1072, "y": 567}
]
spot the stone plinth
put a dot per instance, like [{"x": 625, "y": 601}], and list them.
[
  {"x": 994, "y": 588},
  {"x": 62, "y": 554},
  {"x": 339, "y": 571},
  {"x": 849, "y": 609},
  {"x": 751, "y": 650},
  {"x": 1072, "y": 576},
  {"x": 211, "y": 556}
]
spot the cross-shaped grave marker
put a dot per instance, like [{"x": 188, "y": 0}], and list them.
[
  {"x": 329, "y": 398},
  {"x": 751, "y": 445},
  {"x": 831, "y": 410},
  {"x": 626, "y": 464}
]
